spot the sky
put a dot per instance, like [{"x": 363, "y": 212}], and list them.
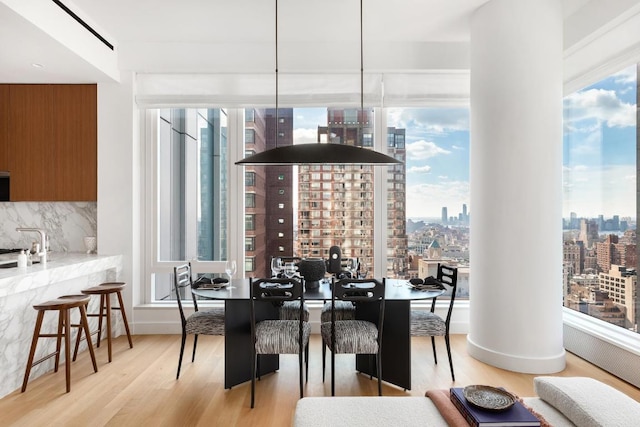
[
  {"x": 599, "y": 151},
  {"x": 599, "y": 156}
]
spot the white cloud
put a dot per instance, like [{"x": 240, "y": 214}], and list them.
[
  {"x": 432, "y": 120},
  {"x": 419, "y": 169},
  {"x": 455, "y": 147},
  {"x": 600, "y": 190},
  {"x": 601, "y": 105},
  {"x": 422, "y": 150},
  {"x": 626, "y": 76},
  {"x": 305, "y": 136},
  {"x": 427, "y": 200}
]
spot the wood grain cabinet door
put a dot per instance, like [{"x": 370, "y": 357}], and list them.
[
  {"x": 52, "y": 138},
  {"x": 74, "y": 127}
]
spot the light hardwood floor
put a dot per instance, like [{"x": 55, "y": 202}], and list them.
[{"x": 139, "y": 387}]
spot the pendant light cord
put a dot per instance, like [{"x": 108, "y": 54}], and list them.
[
  {"x": 361, "y": 66},
  {"x": 277, "y": 118}
]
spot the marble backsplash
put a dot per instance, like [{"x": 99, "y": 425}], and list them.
[{"x": 66, "y": 223}]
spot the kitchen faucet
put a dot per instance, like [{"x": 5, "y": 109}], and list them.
[{"x": 43, "y": 242}]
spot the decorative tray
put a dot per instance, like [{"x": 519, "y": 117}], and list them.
[{"x": 489, "y": 398}]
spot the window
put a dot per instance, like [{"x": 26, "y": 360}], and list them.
[
  {"x": 191, "y": 184},
  {"x": 250, "y": 200},
  {"x": 249, "y": 115},
  {"x": 249, "y": 222},
  {"x": 249, "y": 244},
  {"x": 249, "y": 136},
  {"x": 249, "y": 263},
  {"x": 599, "y": 204},
  {"x": 433, "y": 178},
  {"x": 250, "y": 179}
]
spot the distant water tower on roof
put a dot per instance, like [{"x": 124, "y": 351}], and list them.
[{"x": 434, "y": 250}]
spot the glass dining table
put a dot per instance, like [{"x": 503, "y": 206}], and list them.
[{"x": 396, "y": 336}]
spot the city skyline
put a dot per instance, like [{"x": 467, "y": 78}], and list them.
[{"x": 599, "y": 150}]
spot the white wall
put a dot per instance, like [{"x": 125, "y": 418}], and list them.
[{"x": 119, "y": 183}]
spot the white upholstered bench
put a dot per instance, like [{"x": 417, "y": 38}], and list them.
[{"x": 562, "y": 401}]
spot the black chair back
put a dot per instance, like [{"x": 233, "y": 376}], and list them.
[
  {"x": 448, "y": 276},
  {"x": 276, "y": 291},
  {"x": 359, "y": 291},
  {"x": 182, "y": 281}
]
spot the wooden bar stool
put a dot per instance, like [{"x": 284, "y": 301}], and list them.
[
  {"x": 63, "y": 305},
  {"x": 105, "y": 290}
]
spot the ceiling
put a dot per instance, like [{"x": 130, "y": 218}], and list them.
[{"x": 148, "y": 34}]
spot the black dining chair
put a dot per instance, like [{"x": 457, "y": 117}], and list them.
[
  {"x": 428, "y": 324},
  {"x": 278, "y": 336},
  {"x": 355, "y": 336},
  {"x": 208, "y": 322},
  {"x": 289, "y": 310}
]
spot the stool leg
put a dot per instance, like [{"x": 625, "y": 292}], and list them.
[
  {"x": 67, "y": 350},
  {"x": 124, "y": 319},
  {"x": 84, "y": 324},
  {"x": 59, "y": 339},
  {"x": 108, "y": 300},
  {"x": 34, "y": 343},
  {"x": 77, "y": 346},
  {"x": 100, "y": 314}
]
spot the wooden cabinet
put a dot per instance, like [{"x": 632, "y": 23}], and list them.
[
  {"x": 4, "y": 127},
  {"x": 51, "y": 141}
]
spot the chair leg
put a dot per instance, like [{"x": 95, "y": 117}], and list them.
[
  {"x": 306, "y": 356},
  {"x": 379, "y": 371},
  {"x": 333, "y": 373},
  {"x": 67, "y": 351},
  {"x": 433, "y": 344},
  {"x": 100, "y": 316},
  {"x": 32, "y": 352},
  {"x": 84, "y": 324},
  {"x": 195, "y": 344},
  {"x": 184, "y": 339},
  {"x": 124, "y": 319},
  {"x": 324, "y": 356},
  {"x": 446, "y": 340},
  {"x": 254, "y": 367},
  {"x": 59, "y": 340},
  {"x": 300, "y": 374},
  {"x": 108, "y": 300},
  {"x": 77, "y": 346}
]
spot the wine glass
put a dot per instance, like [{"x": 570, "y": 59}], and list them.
[
  {"x": 230, "y": 268},
  {"x": 276, "y": 266},
  {"x": 289, "y": 270}
]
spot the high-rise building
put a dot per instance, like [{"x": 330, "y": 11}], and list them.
[
  {"x": 279, "y": 188},
  {"x": 588, "y": 232},
  {"x": 269, "y": 221},
  {"x": 335, "y": 202},
  {"x": 254, "y": 181},
  {"x": 619, "y": 283},
  {"x": 445, "y": 215}
]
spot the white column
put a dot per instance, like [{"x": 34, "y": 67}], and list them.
[{"x": 516, "y": 186}]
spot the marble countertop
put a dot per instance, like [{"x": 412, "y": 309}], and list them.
[{"x": 59, "y": 267}]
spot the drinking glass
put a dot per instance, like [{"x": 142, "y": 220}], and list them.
[
  {"x": 230, "y": 268},
  {"x": 289, "y": 270},
  {"x": 276, "y": 266}
]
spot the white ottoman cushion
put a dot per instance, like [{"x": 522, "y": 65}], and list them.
[
  {"x": 366, "y": 411},
  {"x": 588, "y": 402}
]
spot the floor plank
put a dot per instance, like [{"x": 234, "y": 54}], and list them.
[{"x": 139, "y": 387}]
